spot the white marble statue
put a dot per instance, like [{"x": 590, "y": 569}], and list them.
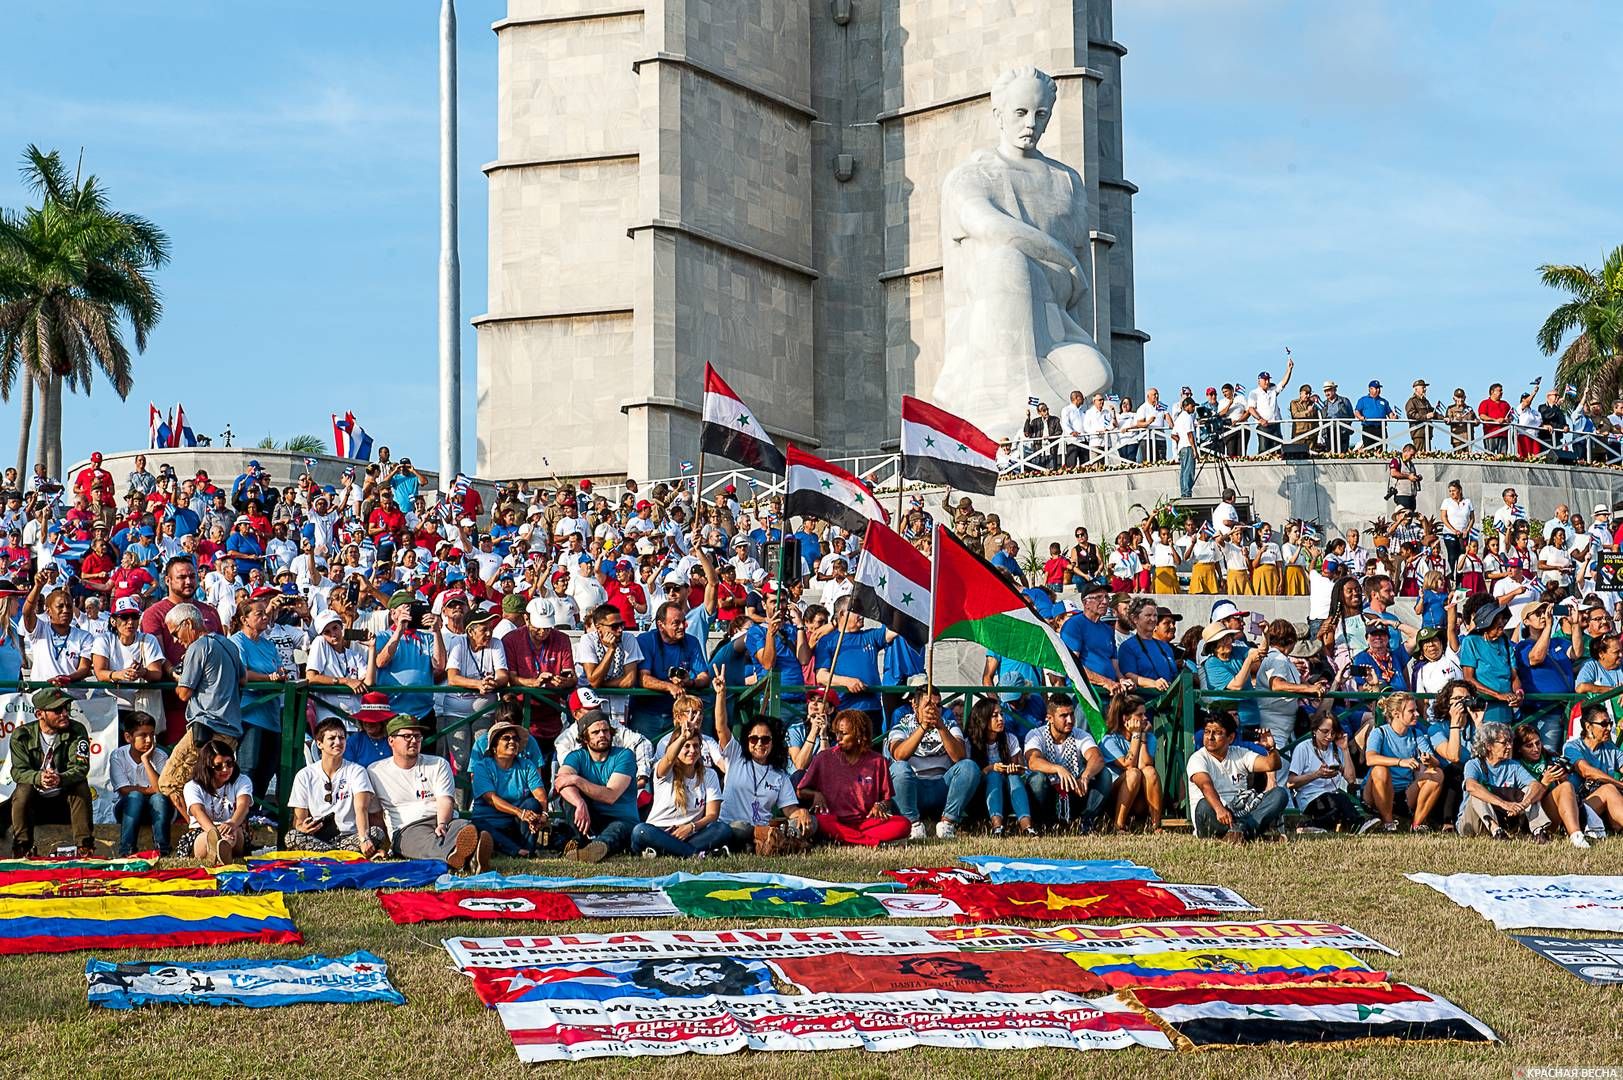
[{"x": 1014, "y": 227}]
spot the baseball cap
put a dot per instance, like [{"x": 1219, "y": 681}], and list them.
[
  {"x": 481, "y": 616},
  {"x": 401, "y": 598},
  {"x": 540, "y": 614},
  {"x": 95, "y": 455},
  {"x": 1211, "y": 389},
  {"x": 1375, "y": 384},
  {"x": 1226, "y": 609},
  {"x": 584, "y": 698},
  {"x": 1263, "y": 375},
  {"x": 126, "y": 605},
  {"x": 512, "y": 603},
  {"x": 326, "y": 619}
]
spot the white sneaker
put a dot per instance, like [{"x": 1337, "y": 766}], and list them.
[
  {"x": 945, "y": 829},
  {"x": 1579, "y": 841},
  {"x": 917, "y": 832}
]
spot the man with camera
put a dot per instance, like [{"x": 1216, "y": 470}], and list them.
[
  {"x": 673, "y": 663},
  {"x": 1222, "y": 802},
  {"x": 411, "y": 654}
]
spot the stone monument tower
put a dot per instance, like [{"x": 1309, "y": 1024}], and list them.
[{"x": 758, "y": 184}]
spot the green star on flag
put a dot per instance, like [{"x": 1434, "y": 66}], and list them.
[
  {"x": 1366, "y": 1011},
  {"x": 929, "y": 440},
  {"x": 743, "y": 419},
  {"x": 907, "y": 597},
  {"x": 827, "y": 483},
  {"x": 883, "y": 579}
]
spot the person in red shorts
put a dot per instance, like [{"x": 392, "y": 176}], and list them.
[{"x": 849, "y": 787}]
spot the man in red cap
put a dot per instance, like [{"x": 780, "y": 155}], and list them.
[{"x": 96, "y": 485}]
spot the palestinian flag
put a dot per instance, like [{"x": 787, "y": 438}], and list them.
[
  {"x": 1237, "y": 1016},
  {"x": 973, "y": 602},
  {"x": 730, "y": 429},
  {"x": 893, "y": 585},
  {"x": 713, "y": 899},
  {"x": 940, "y": 448},
  {"x": 829, "y": 493}
]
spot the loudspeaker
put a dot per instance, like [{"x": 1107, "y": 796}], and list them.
[
  {"x": 1558, "y": 456},
  {"x": 1294, "y": 451}
]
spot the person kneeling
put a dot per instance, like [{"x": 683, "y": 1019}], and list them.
[
  {"x": 685, "y": 818},
  {"x": 417, "y": 799},
  {"x": 1221, "y": 799},
  {"x": 218, "y": 799},
  {"x": 331, "y": 800},
  {"x": 849, "y": 786},
  {"x": 596, "y": 783},
  {"x": 509, "y": 796}
]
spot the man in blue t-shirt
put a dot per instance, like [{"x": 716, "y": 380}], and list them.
[
  {"x": 1092, "y": 639},
  {"x": 857, "y": 666},
  {"x": 597, "y": 784},
  {"x": 673, "y": 662},
  {"x": 1544, "y": 666},
  {"x": 1372, "y": 408},
  {"x": 410, "y": 657},
  {"x": 779, "y": 645}
]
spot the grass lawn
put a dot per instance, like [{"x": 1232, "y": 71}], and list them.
[{"x": 1544, "y": 1016}]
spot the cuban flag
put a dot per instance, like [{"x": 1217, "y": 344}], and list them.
[
  {"x": 158, "y": 429},
  {"x": 180, "y": 433},
  {"x": 459, "y": 489},
  {"x": 730, "y": 430},
  {"x": 309, "y": 463},
  {"x": 350, "y": 440}
]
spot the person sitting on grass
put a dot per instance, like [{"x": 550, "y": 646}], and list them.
[
  {"x": 416, "y": 799},
  {"x": 218, "y": 799},
  {"x": 331, "y": 800},
  {"x": 685, "y": 817},
  {"x": 597, "y": 782},
  {"x": 758, "y": 799},
  {"x": 1402, "y": 765},
  {"x": 1003, "y": 767},
  {"x": 1555, "y": 773},
  {"x": 509, "y": 795},
  {"x": 1129, "y": 752},
  {"x": 813, "y": 734},
  {"x": 584, "y": 700},
  {"x": 1065, "y": 765},
  {"x": 134, "y": 770},
  {"x": 849, "y": 786},
  {"x": 1597, "y": 765},
  {"x": 930, "y": 768},
  {"x": 1499, "y": 791},
  {"x": 1222, "y": 800},
  {"x": 1321, "y": 773},
  {"x": 687, "y": 718}
]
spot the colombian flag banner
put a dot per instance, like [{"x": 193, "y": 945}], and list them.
[
  {"x": 32, "y": 925},
  {"x": 744, "y": 900}
]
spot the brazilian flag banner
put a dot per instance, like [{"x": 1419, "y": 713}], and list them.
[{"x": 750, "y": 900}]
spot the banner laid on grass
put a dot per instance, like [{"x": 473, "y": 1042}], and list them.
[
  {"x": 320, "y": 876},
  {"x": 1137, "y": 938},
  {"x": 727, "y": 900},
  {"x": 67, "y": 884},
  {"x": 669, "y": 977},
  {"x": 1059, "y": 871},
  {"x": 923, "y": 877},
  {"x": 635, "y": 904},
  {"x": 525, "y": 904},
  {"x": 254, "y": 984},
  {"x": 611, "y": 881},
  {"x": 917, "y": 906},
  {"x": 143, "y": 860},
  {"x": 630, "y": 1027},
  {"x": 1598, "y": 961},
  {"x": 30, "y": 925},
  {"x": 1226, "y": 967},
  {"x": 1514, "y": 901},
  {"x": 1232, "y": 1016},
  {"x": 1006, "y": 972},
  {"x": 1084, "y": 900}
]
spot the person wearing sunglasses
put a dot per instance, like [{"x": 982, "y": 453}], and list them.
[
  {"x": 1597, "y": 765},
  {"x": 218, "y": 799},
  {"x": 332, "y": 799}
]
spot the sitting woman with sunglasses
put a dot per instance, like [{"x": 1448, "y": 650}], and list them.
[
  {"x": 758, "y": 799},
  {"x": 218, "y": 798},
  {"x": 330, "y": 799}
]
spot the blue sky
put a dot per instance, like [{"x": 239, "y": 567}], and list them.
[{"x": 1371, "y": 183}]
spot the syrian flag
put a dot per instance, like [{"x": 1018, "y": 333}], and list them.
[
  {"x": 940, "y": 448},
  {"x": 973, "y": 602},
  {"x": 893, "y": 585},
  {"x": 350, "y": 440},
  {"x": 730, "y": 429},
  {"x": 828, "y": 493},
  {"x": 1236, "y": 1016}
]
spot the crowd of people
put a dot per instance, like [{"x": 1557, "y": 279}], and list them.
[{"x": 561, "y": 673}]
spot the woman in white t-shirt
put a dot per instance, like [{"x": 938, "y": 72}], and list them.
[
  {"x": 331, "y": 800},
  {"x": 1554, "y": 564},
  {"x": 1320, "y": 773},
  {"x": 685, "y": 817},
  {"x": 58, "y": 651},
  {"x": 218, "y": 798},
  {"x": 125, "y": 655},
  {"x": 758, "y": 798},
  {"x": 348, "y": 666}
]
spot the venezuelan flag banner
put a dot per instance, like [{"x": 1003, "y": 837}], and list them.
[
  {"x": 68, "y": 884},
  {"x": 1227, "y": 967},
  {"x": 30, "y": 925},
  {"x": 315, "y": 876},
  {"x": 743, "y": 900}
]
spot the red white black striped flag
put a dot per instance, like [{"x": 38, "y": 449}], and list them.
[
  {"x": 893, "y": 585},
  {"x": 730, "y": 430},
  {"x": 827, "y": 492},
  {"x": 940, "y": 448}
]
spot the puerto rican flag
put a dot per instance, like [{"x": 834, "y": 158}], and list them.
[
  {"x": 827, "y": 492},
  {"x": 730, "y": 430},
  {"x": 893, "y": 585},
  {"x": 350, "y": 440},
  {"x": 940, "y": 448}
]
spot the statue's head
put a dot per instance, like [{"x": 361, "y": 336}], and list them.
[{"x": 1022, "y": 101}]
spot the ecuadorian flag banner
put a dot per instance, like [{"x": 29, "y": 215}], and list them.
[{"x": 32, "y": 925}]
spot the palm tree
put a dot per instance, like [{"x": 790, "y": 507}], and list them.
[
  {"x": 1592, "y": 361},
  {"x": 298, "y": 444},
  {"x": 72, "y": 272}
]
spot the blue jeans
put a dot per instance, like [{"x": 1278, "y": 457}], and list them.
[
  {"x": 946, "y": 795},
  {"x": 1186, "y": 472},
  {"x": 1007, "y": 795},
  {"x": 1045, "y": 796},
  {"x": 1263, "y": 816},
  {"x": 508, "y": 833},
  {"x": 612, "y": 831},
  {"x": 713, "y": 835},
  {"x": 131, "y": 809}
]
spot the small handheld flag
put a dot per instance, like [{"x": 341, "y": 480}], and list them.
[{"x": 309, "y": 463}]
